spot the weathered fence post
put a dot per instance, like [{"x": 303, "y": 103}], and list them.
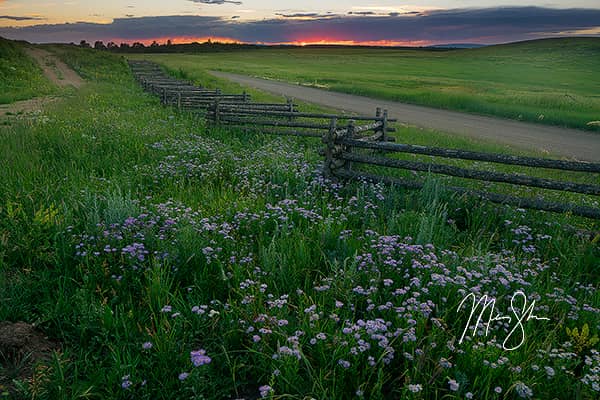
[
  {"x": 164, "y": 96},
  {"x": 179, "y": 101},
  {"x": 348, "y": 134},
  {"x": 384, "y": 126},
  {"x": 290, "y": 104},
  {"x": 329, "y": 141},
  {"x": 216, "y": 116},
  {"x": 246, "y": 97}
]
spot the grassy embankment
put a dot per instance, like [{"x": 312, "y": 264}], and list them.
[
  {"x": 20, "y": 77},
  {"x": 548, "y": 81},
  {"x": 135, "y": 238}
]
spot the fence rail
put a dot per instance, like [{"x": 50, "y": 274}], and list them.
[{"x": 347, "y": 144}]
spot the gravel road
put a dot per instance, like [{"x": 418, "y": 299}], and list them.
[{"x": 564, "y": 142}]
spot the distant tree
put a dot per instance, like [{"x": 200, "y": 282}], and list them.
[
  {"x": 99, "y": 45},
  {"x": 83, "y": 43},
  {"x": 138, "y": 45},
  {"x": 169, "y": 43},
  {"x": 154, "y": 44},
  {"x": 124, "y": 46},
  {"x": 111, "y": 46}
]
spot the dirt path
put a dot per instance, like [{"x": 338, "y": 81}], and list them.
[
  {"x": 571, "y": 143},
  {"x": 25, "y": 107},
  {"x": 54, "y": 69}
]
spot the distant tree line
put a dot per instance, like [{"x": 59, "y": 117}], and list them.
[
  {"x": 210, "y": 46},
  {"x": 167, "y": 47}
]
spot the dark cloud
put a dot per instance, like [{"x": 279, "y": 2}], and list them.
[
  {"x": 19, "y": 18},
  {"x": 216, "y": 1},
  {"x": 492, "y": 25},
  {"x": 306, "y": 15},
  {"x": 362, "y": 13},
  {"x": 235, "y": 17}
]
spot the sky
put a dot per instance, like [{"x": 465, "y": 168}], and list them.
[{"x": 372, "y": 22}]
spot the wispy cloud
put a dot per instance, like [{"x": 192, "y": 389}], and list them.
[
  {"x": 20, "y": 18},
  {"x": 216, "y": 1},
  {"x": 491, "y": 25},
  {"x": 306, "y": 15}
]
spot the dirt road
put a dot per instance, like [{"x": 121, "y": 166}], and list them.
[
  {"x": 54, "y": 69},
  {"x": 571, "y": 143}
]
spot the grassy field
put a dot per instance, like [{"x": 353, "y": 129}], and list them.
[
  {"x": 549, "y": 81},
  {"x": 166, "y": 260},
  {"x": 20, "y": 77},
  {"x": 191, "y": 68}
]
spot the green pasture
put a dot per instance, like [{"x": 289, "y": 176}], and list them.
[{"x": 552, "y": 81}]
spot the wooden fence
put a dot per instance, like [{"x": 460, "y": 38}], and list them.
[
  {"x": 342, "y": 152},
  {"x": 349, "y": 145},
  {"x": 285, "y": 119},
  {"x": 178, "y": 92}
]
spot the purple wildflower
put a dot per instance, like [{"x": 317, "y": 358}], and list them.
[
  {"x": 199, "y": 358},
  {"x": 523, "y": 390},
  {"x": 453, "y": 385},
  {"x": 415, "y": 388},
  {"x": 265, "y": 390},
  {"x": 125, "y": 382}
]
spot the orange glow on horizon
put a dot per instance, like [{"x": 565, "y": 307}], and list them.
[
  {"x": 379, "y": 43},
  {"x": 298, "y": 42}
]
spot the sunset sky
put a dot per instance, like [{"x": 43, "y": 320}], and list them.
[{"x": 385, "y": 22}]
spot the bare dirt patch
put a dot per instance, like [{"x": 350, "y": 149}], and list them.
[
  {"x": 25, "y": 108},
  {"x": 54, "y": 69},
  {"x": 21, "y": 347}
]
